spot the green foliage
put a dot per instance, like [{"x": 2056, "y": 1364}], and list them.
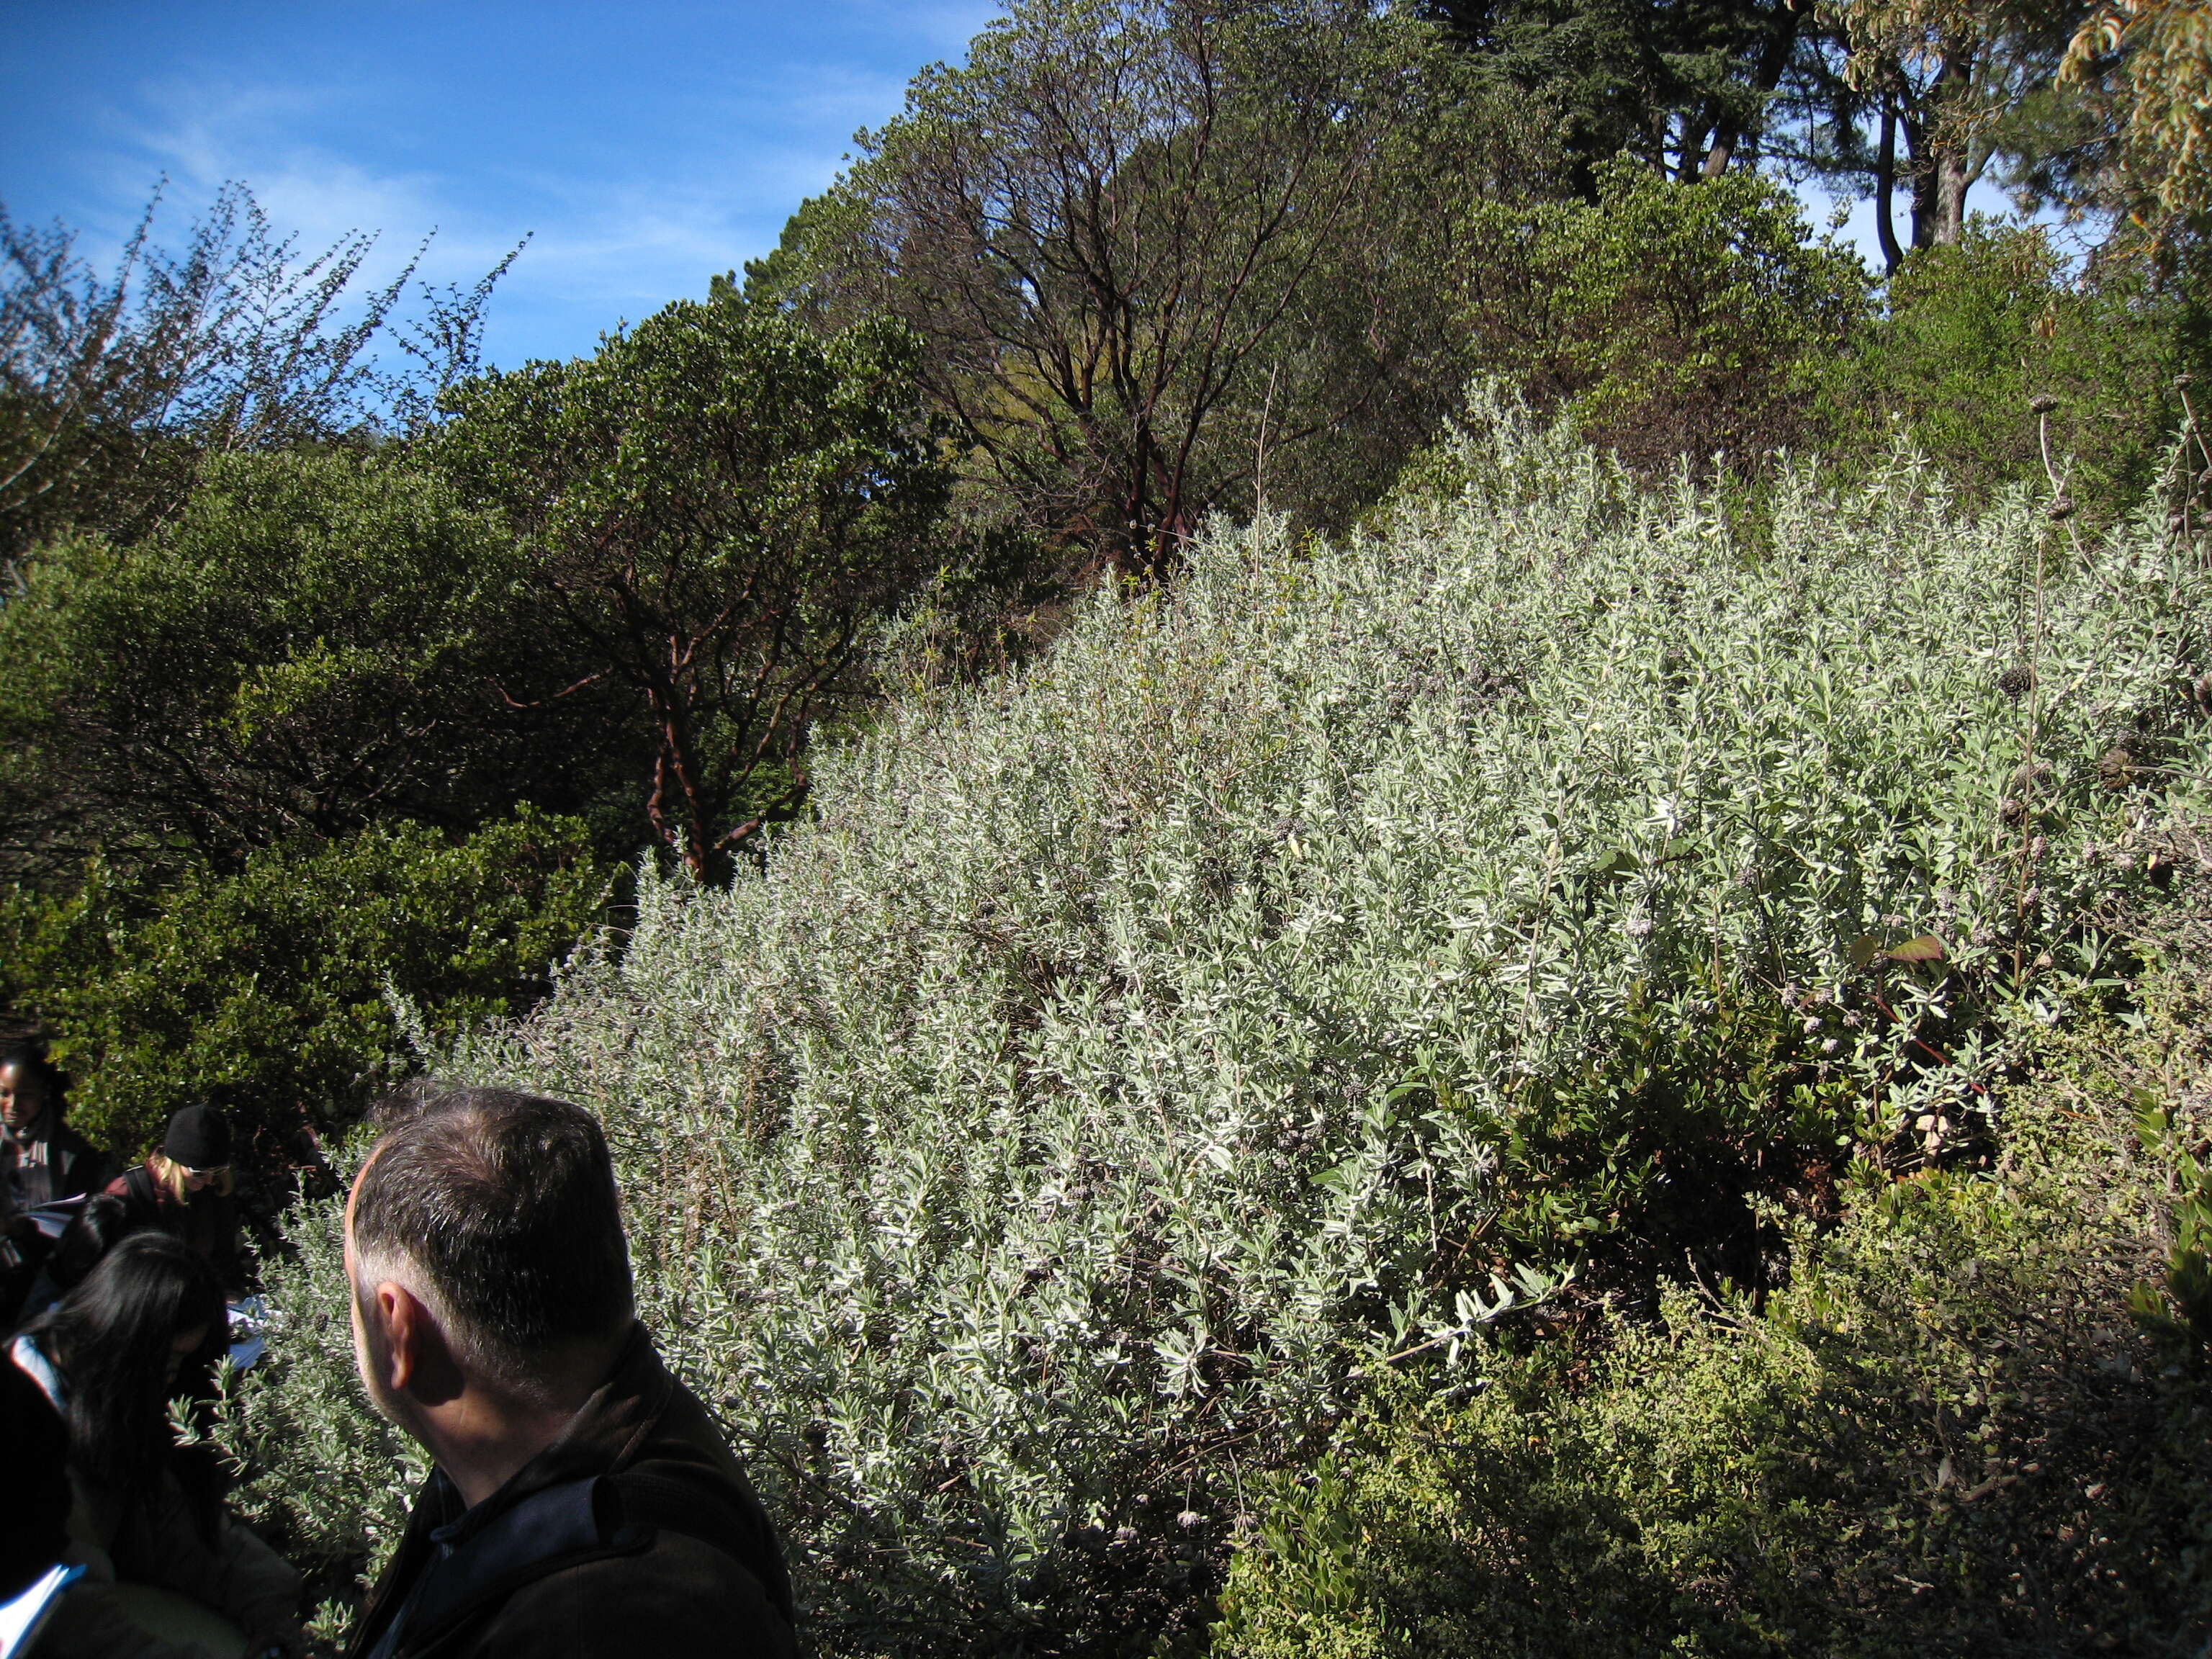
[
  {"x": 1681, "y": 87},
  {"x": 800, "y": 275},
  {"x": 2177, "y": 1305},
  {"x": 1643, "y": 1156},
  {"x": 1671, "y": 321},
  {"x": 1937, "y": 1437},
  {"x": 1870, "y": 1466},
  {"x": 272, "y": 989},
  {"x": 1969, "y": 334},
  {"x": 1130, "y": 1057},
  {"x": 115, "y": 389},
  {"x": 716, "y": 509},
  {"x": 1171, "y": 259},
  {"x": 2118, "y": 134},
  {"x": 312, "y": 646},
  {"x": 2144, "y": 64}
]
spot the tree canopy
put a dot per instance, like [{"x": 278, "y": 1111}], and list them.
[
  {"x": 1673, "y": 323},
  {"x": 2146, "y": 64},
  {"x": 115, "y": 387},
  {"x": 714, "y": 510},
  {"x": 1154, "y": 252},
  {"x": 310, "y": 646},
  {"x": 1685, "y": 88}
]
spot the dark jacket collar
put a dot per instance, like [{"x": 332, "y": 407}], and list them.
[
  {"x": 604, "y": 1435},
  {"x": 601, "y": 1438}
]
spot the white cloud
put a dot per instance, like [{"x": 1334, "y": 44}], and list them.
[
  {"x": 622, "y": 219},
  {"x": 200, "y": 138},
  {"x": 608, "y": 246}
]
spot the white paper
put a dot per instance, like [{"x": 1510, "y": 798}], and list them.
[
  {"x": 20, "y": 1618},
  {"x": 248, "y": 1315}
]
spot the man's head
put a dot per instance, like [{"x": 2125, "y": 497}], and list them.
[{"x": 485, "y": 1247}]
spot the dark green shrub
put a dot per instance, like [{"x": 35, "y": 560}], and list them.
[
  {"x": 1970, "y": 334},
  {"x": 317, "y": 642},
  {"x": 2175, "y": 1305},
  {"x": 1941, "y": 1436},
  {"x": 1934, "y": 1443},
  {"x": 1672, "y": 320},
  {"x": 271, "y": 990},
  {"x": 1644, "y": 1156}
]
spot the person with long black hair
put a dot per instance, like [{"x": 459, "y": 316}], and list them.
[
  {"x": 34, "y": 1518},
  {"x": 166, "y": 1568}
]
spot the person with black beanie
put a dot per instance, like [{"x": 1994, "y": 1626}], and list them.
[{"x": 185, "y": 1190}]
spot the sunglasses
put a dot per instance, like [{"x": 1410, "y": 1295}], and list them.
[{"x": 208, "y": 1174}]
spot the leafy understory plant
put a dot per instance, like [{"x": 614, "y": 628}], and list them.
[
  {"x": 1295, "y": 970},
  {"x": 2177, "y": 1307}
]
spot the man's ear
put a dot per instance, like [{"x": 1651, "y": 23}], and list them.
[
  {"x": 418, "y": 1362},
  {"x": 399, "y": 1315}
]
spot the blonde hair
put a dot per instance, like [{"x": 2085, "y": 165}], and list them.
[{"x": 171, "y": 1175}]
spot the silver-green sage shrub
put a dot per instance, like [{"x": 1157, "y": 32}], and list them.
[{"x": 1305, "y": 967}]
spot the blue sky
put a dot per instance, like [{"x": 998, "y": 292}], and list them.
[{"x": 647, "y": 145}]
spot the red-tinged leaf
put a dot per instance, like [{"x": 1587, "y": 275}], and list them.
[{"x": 1926, "y": 948}]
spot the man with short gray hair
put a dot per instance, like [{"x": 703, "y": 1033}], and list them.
[{"x": 582, "y": 1502}]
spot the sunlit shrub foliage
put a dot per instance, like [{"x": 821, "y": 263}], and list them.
[
  {"x": 270, "y": 990},
  {"x": 1135, "y": 1057},
  {"x": 1673, "y": 323},
  {"x": 1941, "y": 1436},
  {"x": 1969, "y": 335}
]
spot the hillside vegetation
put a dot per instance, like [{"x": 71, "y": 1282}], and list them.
[
  {"x": 1945, "y": 1435},
  {"x": 292, "y": 581},
  {"x": 1337, "y": 999},
  {"x": 1248, "y": 1005}
]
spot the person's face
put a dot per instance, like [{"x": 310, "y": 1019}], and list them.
[
  {"x": 198, "y": 1180},
  {"x": 183, "y": 1345},
  {"x": 22, "y": 1096}
]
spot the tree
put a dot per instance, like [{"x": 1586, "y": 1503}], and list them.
[
  {"x": 1685, "y": 88},
  {"x": 1943, "y": 81},
  {"x": 2098, "y": 109},
  {"x": 2145, "y": 64},
  {"x": 313, "y": 644},
  {"x": 714, "y": 510},
  {"x": 270, "y": 987},
  {"x": 1161, "y": 254},
  {"x": 1671, "y": 322},
  {"x": 113, "y": 388}
]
